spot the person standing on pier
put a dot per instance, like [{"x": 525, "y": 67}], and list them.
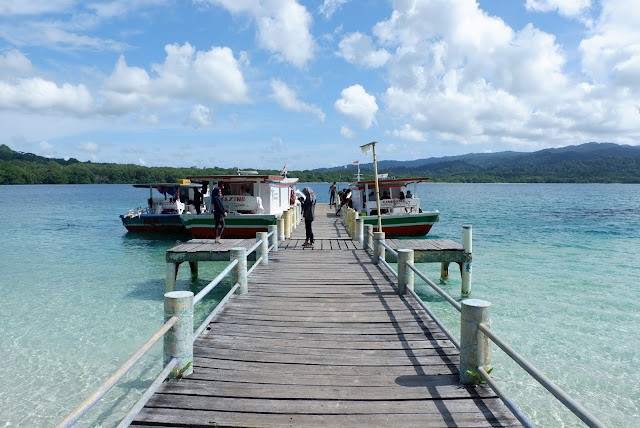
[
  {"x": 332, "y": 194},
  {"x": 308, "y": 212},
  {"x": 219, "y": 213}
]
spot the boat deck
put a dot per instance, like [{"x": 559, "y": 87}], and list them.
[{"x": 322, "y": 339}]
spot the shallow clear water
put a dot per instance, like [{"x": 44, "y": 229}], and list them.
[{"x": 559, "y": 262}]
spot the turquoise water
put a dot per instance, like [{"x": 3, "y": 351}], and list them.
[{"x": 559, "y": 262}]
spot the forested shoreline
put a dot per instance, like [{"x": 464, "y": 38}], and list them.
[{"x": 27, "y": 168}]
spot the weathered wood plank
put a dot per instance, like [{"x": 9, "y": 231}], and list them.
[
  {"x": 330, "y": 370},
  {"x": 322, "y": 339},
  {"x": 166, "y": 417},
  {"x": 337, "y": 407}
]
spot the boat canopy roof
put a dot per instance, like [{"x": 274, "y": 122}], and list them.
[
  {"x": 395, "y": 182},
  {"x": 159, "y": 185},
  {"x": 272, "y": 179}
]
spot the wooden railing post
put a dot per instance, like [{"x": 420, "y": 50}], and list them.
[
  {"x": 354, "y": 216},
  {"x": 287, "y": 223},
  {"x": 368, "y": 230},
  {"x": 359, "y": 229},
  {"x": 347, "y": 219},
  {"x": 178, "y": 342},
  {"x": 263, "y": 248},
  {"x": 405, "y": 274},
  {"x": 273, "y": 239},
  {"x": 378, "y": 250},
  {"x": 475, "y": 349},
  {"x": 466, "y": 265},
  {"x": 239, "y": 274},
  {"x": 280, "y": 225},
  {"x": 294, "y": 215}
]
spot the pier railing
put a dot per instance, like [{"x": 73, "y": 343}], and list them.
[
  {"x": 178, "y": 328},
  {"x": 475, "y": 333}
]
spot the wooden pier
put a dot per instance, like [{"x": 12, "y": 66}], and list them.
[{"x": 322, "y": 339}]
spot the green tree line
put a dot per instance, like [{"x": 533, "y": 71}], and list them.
[{"x": 26, "y": 168}]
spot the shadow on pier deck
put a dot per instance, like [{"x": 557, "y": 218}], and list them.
[{"x": 322, "y": 339}]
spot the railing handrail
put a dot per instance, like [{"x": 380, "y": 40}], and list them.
[
  {"x": 558, "y": 393},
  {"x": 451, "y": 337},
  {"x": 388, "y": 266},
  {"x": 555, "y": 390},
  {"x": 217, "y": 309},
  {"x": 255, "y": 247},
  {"x": 90, "y": 401},
  {"x": 258, "y": 243},
  {"x": 433, "y": 285},
  {"x": 142, "y": 401},
  {"x": 391, "y": 250},
  {"x": 214, "y": 283},
  {"x": 506, "y": 400}
]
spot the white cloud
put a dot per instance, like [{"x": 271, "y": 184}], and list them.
[
  {"x": 390, "y": 148},
  {"x": 200, "y": 116},
  {"x": 277, "y": 145},
  {"x": 612, "y": 52},
  {"x": 408, "y": 132},
  {"x": 117, "y": 8},
  {"x": 329, "y": 7},
  {"x": 570, "y": 8},
  {"x": 464, "y": 76},
  {"x": 149, "y": 119},
  {"x": 15, "y": 63},
  {"x": 283, "y": 26},
  {"x": 288, "y": 100},
  {"x": 347, "y": 132},
  {"x": 358, "y": 105},
  {"x": 357, "y": 48},
  {"x": 34, "y": 7},
  {"x": 88, "y": 146},
  {"x": 46, "y": 147},
  {"x": 127, "y": 79},
  {"x": 212, "y": 76},
  {"x": 37, "y": 94}
]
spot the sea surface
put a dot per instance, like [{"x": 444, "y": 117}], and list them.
[{"x": 560, "y": 264}]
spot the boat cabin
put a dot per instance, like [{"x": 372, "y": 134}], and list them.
[
  {"x": 395, "y": 197},
  {"x": 173, "y": 198},
  {"x": 250, "y": 193}
]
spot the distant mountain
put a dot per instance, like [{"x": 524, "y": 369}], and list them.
[
  {"x": 585, "y": 163},
  {"x": 590, "y": 162}
]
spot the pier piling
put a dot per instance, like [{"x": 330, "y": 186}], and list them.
[
  {"x": 263, "y": 248},
  {"x": 178, "y": 342},
  {"x": 475, "y": 349},
  {"x": 378, "y": 250},
  {"x": 239, "y": 275}
]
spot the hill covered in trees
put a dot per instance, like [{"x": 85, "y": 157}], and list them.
[{"x": 586, "y": 163}]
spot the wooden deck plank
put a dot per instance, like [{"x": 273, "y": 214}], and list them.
[
  {"x": 165, "y": 417},
  {"x": 322, "y": 339}
]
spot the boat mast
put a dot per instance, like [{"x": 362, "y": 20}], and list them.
[{"x": 365, "y": 149}]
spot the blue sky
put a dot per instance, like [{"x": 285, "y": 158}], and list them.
[{"x": 261, "y": 83}]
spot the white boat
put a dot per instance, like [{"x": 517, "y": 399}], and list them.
[
  {"x": 400, "y": 210},
  {"x": 162, "y": 214},
  {"x": 253, "y": 201}
]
